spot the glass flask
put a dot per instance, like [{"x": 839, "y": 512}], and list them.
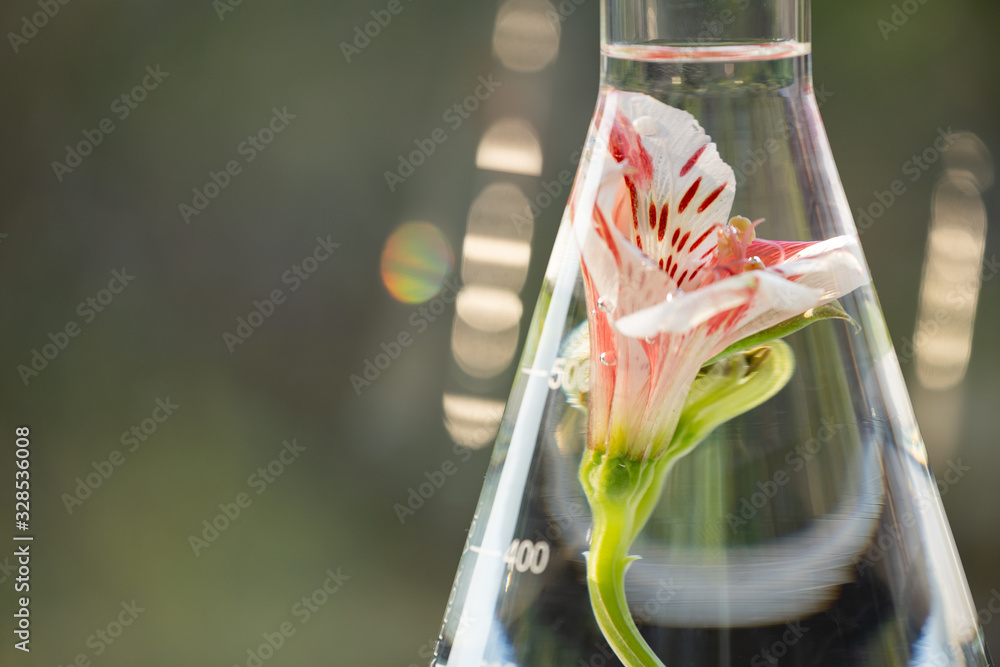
[{"x": 708, "y": 456}]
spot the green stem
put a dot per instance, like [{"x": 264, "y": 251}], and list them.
[
  {"x": 623, "y": 493},
  {"x": 607, "y": 562}
]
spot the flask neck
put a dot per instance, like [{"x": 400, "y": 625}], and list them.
[{"x": 704, "y": 22}]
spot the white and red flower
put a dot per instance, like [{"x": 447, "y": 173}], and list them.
[{"x": 671, "y": 280}]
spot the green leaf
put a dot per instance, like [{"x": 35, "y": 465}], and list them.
[{"x": 831, "y": 311}]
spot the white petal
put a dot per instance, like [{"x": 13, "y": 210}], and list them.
[
  {"x": 763, "y": 290},
  {"x": 596, "y": 256},
  {"x": 833, "y": 268},
  {"x": 690, "y": 180}
]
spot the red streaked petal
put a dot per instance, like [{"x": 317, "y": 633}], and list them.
[
  {"x": 689, "y": 195},
  {"x": 634, "y": 196},
  {"x": 625, "y": 145},
  {"x": 703, "y": 237},
  {"x": 776, "y": 252},
  {"x": 689, "y": 165},
  {"x": 712, "y": 197}
]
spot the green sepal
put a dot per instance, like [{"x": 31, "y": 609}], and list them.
[{"x": 831, "y": 311}]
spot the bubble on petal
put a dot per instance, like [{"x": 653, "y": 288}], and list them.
[{"x": 645, "y": 126}]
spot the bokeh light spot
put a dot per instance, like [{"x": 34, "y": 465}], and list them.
[
  {"x": 526, "y": 36},
  {"x": 416, "y": 260},
  {"x": 510, "y": 145}
]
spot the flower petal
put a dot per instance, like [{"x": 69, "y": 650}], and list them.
[
  {"x": 761, "y": 291},
  {"x": 832, "y": 268},
  {"x": 625, "y": 279},
  {"x": 689, "y": 194},
  {"x": 776, "y": 252}
]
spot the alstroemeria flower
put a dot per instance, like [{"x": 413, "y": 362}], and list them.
[{"x": 671, "y": 280}]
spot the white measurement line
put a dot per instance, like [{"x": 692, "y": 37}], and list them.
[
  {"x": 536, "y": 372},
  {"x": 486, "y": 552}
]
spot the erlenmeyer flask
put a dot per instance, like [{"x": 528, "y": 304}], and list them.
[{"x": 708, "y": 456}]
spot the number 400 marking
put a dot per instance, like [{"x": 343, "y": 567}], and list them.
[{"x": 527, "y": 556}]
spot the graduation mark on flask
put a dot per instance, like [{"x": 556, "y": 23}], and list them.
[
  {"x": 527, "y": 556},
  {"x": 522, "y": 555}
]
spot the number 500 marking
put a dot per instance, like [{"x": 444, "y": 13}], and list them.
[{"x": 527, "y": 556}]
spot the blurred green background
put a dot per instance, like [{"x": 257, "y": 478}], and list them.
[{"x": 331, "y": 506}]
